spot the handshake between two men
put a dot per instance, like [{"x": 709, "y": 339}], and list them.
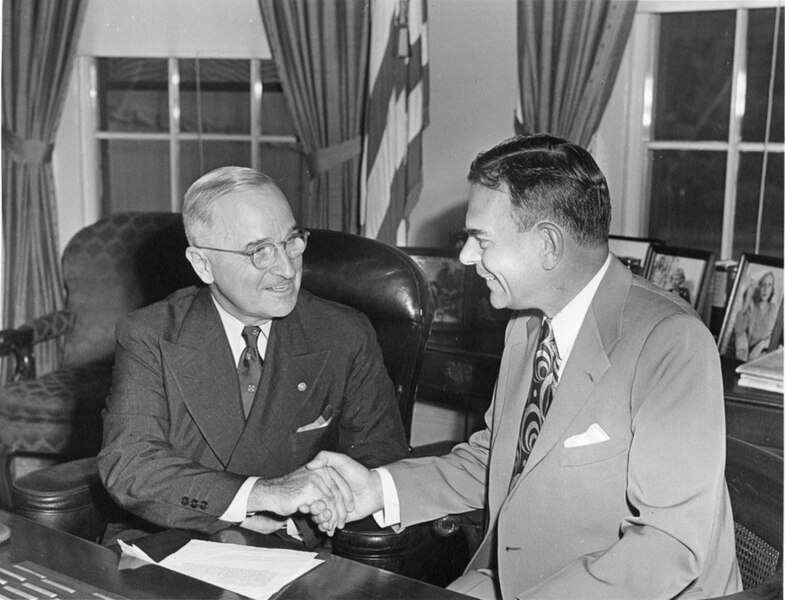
[{"x": 333, "y": 488}]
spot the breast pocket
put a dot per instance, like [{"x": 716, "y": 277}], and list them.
[{"x": 593, "y": 453}]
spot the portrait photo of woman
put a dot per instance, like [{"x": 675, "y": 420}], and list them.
[{"x": 756, "y": 303}]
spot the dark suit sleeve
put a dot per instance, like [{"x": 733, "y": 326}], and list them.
[
  {"x": 371, "y": 430},
  {"x": 139, "y": 466}
]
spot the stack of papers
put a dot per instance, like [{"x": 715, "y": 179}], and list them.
[
  {"x": 254, "y": 572},
  {"x": 763, "y": 373}
]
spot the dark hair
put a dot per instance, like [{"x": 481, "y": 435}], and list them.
[{"x": 548, "y": 178}]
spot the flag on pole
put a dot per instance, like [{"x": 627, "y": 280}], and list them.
[{"x": 396, "y": 116}]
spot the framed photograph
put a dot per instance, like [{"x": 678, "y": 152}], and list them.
[
  {"x": 685, "y": 272},
  {"x": 634, "y": 252},
  {"x": 753, "y": 319},
  {"x": 447, "y": 278}
]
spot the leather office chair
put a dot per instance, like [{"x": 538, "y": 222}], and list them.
[
  {"x": 377, "y": 279},
  {"x": 754, "y": 476},
  {"x": 110, "y": 268}
]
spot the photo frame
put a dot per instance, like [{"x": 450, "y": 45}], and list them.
[
  {"x": 447, "y": 280},
  {"x": 752, "y": 311},
  {"x": 685, "y": 271},
  {"x": 634, "y": 252}
]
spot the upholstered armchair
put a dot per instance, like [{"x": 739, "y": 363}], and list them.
[
  {"x": 110, "y": 268},
  {"x": 375, "y": 278}
]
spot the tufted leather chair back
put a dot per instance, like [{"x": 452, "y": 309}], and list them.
[
  {"x": 383, "y": 282},
  {"x": 128, "y": 260},
  {"x": 114, "y": 266}
]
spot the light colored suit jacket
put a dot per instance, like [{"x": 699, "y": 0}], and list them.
[
  {"x": 643, "y": 514},
  {"x": 177, "y": 446}
]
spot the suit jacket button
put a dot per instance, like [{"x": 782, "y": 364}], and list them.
[
  {"x": 184, "y": 500},
  {"x": 194, "y": 503},
  {"x": 203, "y": 504}
]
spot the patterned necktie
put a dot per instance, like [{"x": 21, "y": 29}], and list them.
[
  {"x": 249, "y": 369},
  {"x": 543, "y": 387}
]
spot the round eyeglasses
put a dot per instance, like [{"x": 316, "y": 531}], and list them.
[{"x": 264, "y": 255}]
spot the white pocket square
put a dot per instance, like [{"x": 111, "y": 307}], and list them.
[
  {"x": 323, "y": 421},
  {"x": 593, "y": 435}
]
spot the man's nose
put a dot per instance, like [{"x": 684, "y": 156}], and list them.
[
  {"x": 470, "y": 253},
  {"x": 284, "y": 265}
]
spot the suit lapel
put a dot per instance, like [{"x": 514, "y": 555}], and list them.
[
  {"x": 200, "y": 366},
  {"x": 288, "y": 381},
  {"x": 588, "y": 360}
]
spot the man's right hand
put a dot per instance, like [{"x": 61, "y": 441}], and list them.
[
  {"x": 365, "y": 485},
  {"x": 307, "y": 491}
]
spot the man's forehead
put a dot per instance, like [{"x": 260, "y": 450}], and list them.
[{"x": 488, "y": 211}]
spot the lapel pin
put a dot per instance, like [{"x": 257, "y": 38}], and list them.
[{"x": 301, "y": 386}]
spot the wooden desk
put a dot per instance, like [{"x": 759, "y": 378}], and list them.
[
  {"x": 97, "y": 566},
  {"x": 755, "y": 416}
]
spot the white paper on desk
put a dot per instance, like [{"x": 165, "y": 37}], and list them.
[{"x": 254, "y": 572}]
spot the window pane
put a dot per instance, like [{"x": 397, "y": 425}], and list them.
[
  {"x": 276, "y": 118},
  {"x": 747, "y": 200},
  {"x": 133, "y": 94},
  {"x": 135, "y": 175},
  {"x": 285, "y": 164},
  {"x": 215, "y": 154},
  {"x": 694, "y": 76},
  {"x": 218, "y": 89},
  {"x": 687, "y": 195},
  {"x": 760, "y": 43}
]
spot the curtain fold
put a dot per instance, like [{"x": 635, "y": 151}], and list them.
[
  {"x": 39, "y": 44},
  {"x": 321, "y": 51},
  {"x": 569, "y": 54}
]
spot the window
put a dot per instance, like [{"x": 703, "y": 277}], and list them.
[
  {"x": 160, "y": 123},
  {"x": 714, "y": 133}
]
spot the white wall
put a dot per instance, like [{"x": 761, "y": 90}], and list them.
[{"x": 472, "y": 62}]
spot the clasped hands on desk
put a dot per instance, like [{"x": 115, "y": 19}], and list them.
[{"x": 96, "y": 566}]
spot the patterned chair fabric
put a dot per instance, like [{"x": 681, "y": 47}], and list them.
[{"x": 120, "y": 263}]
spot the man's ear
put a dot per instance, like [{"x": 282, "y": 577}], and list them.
[
  {"x": 552, "y": 244},
  {"x": 200, "y": 263}
]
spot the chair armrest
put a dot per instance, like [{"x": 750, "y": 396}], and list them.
[
  {"x": 67, "y": 496},
  {"x": 20, "y": 341}
]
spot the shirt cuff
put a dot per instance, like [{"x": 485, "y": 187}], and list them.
[
  {"x": 238, "y": 509},
  {"x": 391, "y": 512}
]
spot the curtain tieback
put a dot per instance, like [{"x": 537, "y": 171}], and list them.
[
  {"x": 33, "y": 152},
  {"x": 324, "y": 159}
]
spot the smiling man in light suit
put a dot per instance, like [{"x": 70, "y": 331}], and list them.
[
  {"x": 602, "y": 462},
  {"x": 222, "y": 393}
]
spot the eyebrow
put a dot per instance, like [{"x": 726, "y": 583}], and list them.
[
  {"x": 256, "y": 243},
  {"x": 475, "y": 232}
]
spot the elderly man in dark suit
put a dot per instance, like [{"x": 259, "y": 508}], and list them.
[
  {"x": 601, "y": 463},
  {"x": 222, "y": 393}
]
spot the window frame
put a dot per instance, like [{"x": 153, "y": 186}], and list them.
[
  {"x": 644, "y": 56},
  {"x": 87, "y": 74}
]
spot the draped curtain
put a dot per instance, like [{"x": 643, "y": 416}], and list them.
[
  {"x": 39, "y": 43},
  {"x": 568, "y": 57},
  {"x": 321, "y": 51}
]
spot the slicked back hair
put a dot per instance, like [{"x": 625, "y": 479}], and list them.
[
  {"x": 205, "y": 191},
  {"x": 548, "y": 178}
]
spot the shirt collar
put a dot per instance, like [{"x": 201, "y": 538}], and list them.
[
  {"x": 569, "y": 319},
  {"x": 233, "y": 327}
]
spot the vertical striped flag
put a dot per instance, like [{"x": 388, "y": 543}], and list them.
[{"x": 396, "y": 116}]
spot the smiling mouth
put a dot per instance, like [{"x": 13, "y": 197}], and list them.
[{"x": 280, "y": 288}]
